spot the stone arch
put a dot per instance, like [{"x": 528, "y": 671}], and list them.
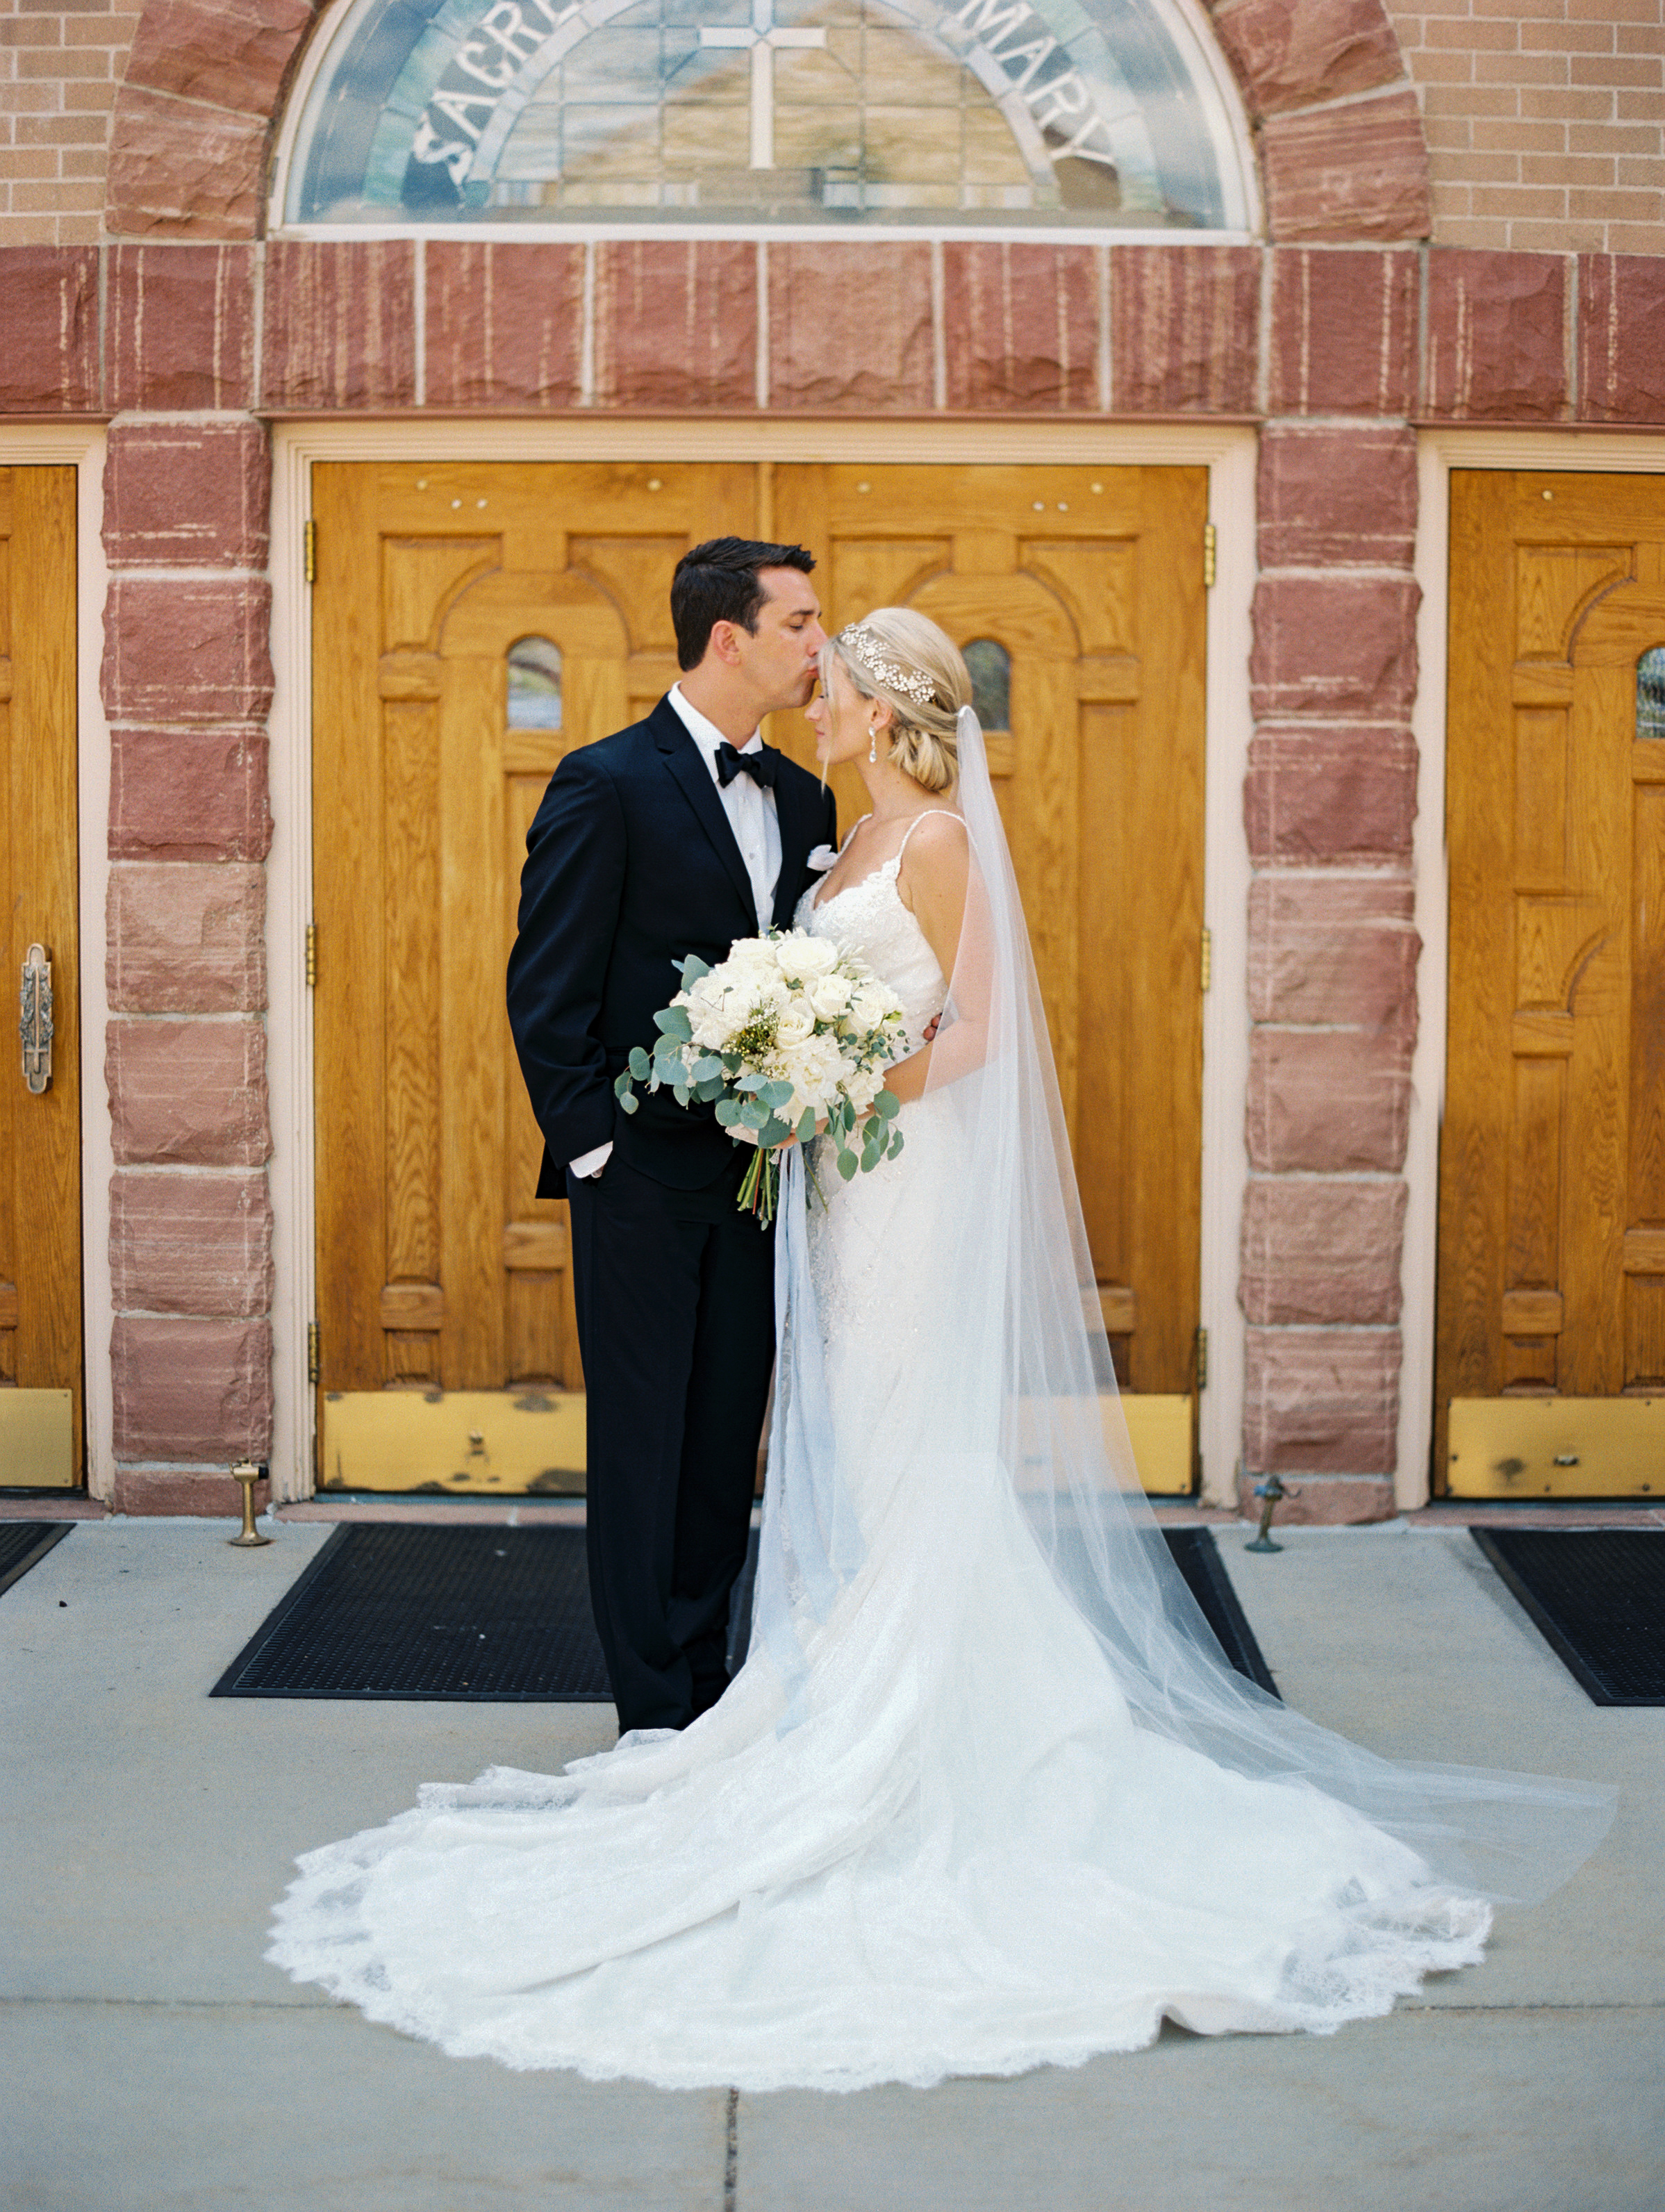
[{"x": 1337, "y": 128}]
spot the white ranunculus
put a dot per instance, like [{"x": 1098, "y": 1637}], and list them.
[
  {"x": 796, "y": 1025},
  {"x": 829, "y": 995}
]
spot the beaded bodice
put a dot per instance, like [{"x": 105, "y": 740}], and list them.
[{"x": 869, "y": 920}]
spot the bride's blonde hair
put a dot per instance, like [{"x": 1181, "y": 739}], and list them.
[{"x": 893, "y": 654}]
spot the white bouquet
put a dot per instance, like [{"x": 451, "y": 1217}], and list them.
[{"x": 787, "y": 1033}]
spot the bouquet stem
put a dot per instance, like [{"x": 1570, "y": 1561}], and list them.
[{"x": 759, "y": 1192}]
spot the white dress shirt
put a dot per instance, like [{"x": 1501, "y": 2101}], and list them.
[{"x": 757, "y": 826}]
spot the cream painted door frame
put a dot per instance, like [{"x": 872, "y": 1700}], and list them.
[
  {"x": 1229, "y": 453},
  {"x": 1439, "y": 452}
]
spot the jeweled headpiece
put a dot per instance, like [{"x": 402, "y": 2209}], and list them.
[{"x": 913, "y": 682}]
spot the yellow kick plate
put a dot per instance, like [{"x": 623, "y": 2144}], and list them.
[
  {"x": 503, "y": 1443},
  {"x": 37, "y": 1440},
  {"x": 1557, "y": 1448},
  {"x": 1159, "y": 1430}
]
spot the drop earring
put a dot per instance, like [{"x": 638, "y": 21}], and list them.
[{"x": 872, "y": 747}]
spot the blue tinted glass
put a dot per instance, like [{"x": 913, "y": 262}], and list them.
[
  {"x": 1650, "y": 693},
  {"x": 534, "y": 684},
  {"x": 990, "y": 666}
]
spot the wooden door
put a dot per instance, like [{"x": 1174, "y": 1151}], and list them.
[
  {"x": 470, "y": 625},
  {"x": 1078, "y": 597},
  {"x": 1550, "y": 1372},
  {"x": 40, "y": 1364}
]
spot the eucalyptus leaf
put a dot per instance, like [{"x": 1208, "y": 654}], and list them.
[
  {"x": 887, "y": 1105},
  {"x": 622, "y": 1087},
  {"x": 848, "y": 1165},
  {"x": 674, "y": 1022},
  {"x": 753, "y": 1115},
  {"x": 773, "y": 1130},
  {"x": 627, "y": 1105},
  {"x": 776, "y": 1094},
  {"x": 870, "y": 1155},
  {"x": 679, "y": 1091},
  {"x": 693, "y": 968},
  {"x": 638, "y": 1063},
  {"x": 896, "y": 1145},
  {"x": 806, "y": 1125},
  {"x": 729, "y": 1111}
]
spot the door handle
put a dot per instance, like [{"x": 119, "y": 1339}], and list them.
[{"x": 34, "y": 1026}]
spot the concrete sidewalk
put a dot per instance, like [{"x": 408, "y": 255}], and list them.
[{"x": 152, "y": 2060}]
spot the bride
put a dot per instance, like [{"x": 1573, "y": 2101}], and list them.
[{"x": 986, "y": 1794}]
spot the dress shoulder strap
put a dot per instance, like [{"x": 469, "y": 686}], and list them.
[
  {"x": 851, "y": 832},
  {"x": 926, "y": 816}
]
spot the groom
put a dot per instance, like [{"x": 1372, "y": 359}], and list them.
[{"x": 675, "y": 835}]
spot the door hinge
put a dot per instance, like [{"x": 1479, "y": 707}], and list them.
[
  {"x": 1207, "y": 964},
  {"x": 1202, "y": 1359},
  {"x": 1207, "y": 556},
  {"x": 309, "y": 551},
  {"x": 311, "y": 955},
  {"x": 312, "y": 1369}
]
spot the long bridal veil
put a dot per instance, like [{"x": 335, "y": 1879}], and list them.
[{"x": 1013, "y": 1367}]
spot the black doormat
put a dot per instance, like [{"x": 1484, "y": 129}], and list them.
[
  {"x": 23, "y": 1544},
  {"x": 1598, "y": 1596},
  {"x": 1197, "y": 1556},
  {"x": 502, "y": 1616}
]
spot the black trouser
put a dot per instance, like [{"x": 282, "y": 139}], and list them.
[{"x": 676, "y": 1321}]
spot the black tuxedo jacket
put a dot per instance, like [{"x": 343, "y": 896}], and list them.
[{"x": 631, "y": 865}]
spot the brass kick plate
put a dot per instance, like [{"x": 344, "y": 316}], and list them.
[
  {"x": 1557, "y": 1448},
  {"x": 37, "y": 1440},
  {"x": 498, "y": 1443},
  {"x": 1160, "y": 1432}
]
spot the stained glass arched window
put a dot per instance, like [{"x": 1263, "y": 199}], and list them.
[{"x": 975, "y": 113}]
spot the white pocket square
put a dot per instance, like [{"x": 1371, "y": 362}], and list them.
[{"x": 821, "y": 858}]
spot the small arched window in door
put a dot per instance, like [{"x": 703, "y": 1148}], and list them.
[
  {"x": 534, "y": 684},
  {"x": 1650, "y": 693},
  {"x": 990, "y": 667}
]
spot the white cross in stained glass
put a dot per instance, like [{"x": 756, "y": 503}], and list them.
[{"x": 762, "y": 38}]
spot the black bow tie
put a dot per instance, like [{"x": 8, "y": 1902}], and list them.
[{"x": 759, "y": 766}]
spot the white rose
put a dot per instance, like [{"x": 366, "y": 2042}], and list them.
[
  {"x": 803, "y": 958},
  {"x": 829, "y": 995},
  {"x": 869, "y": 1007},
  {"x": 796, "y": 1025}
]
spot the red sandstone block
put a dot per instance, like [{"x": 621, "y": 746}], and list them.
[
  {"x": 340, "y": 325},
  {"x": 186, "y": 939},
  {"x": 177, "y": 170},
  {"x": 1324, "y": 1400},
  {"x": 206, "y": 1497},
  {"x": 503, "y": 325},
  {"x": 49, "y": 318},
  {"x": 187, "y": 1094},
  {"x": 676, "y": 323},
  {"x": 1318, "y": 1501},
  {"x": 1314, "y": 793},
  {"x": 1289, "y": 53},
  {"x": 181, "y": 321},
  {"x": 1334, "y": 645},
  {"x": 1337, "y": 498},
  {"x": 1020, "y": 327},
  {"x": 1358, "y": 171},
  {"x": 1329, "y": 1101},
  {"x": 191, "y": 1389},
  {"x": 188, "y": 495},
  {"x": 1344, "y": 333},
  {"x": 189, "y": 794},
  {"x": 194, "y": 650},
  {"x": 1321, "y": 1253},
  {"x": 1333, "y": 950},
  {"x": 1184, "y": 329},
  {"x": 185, "y": 1243},
  {"x": 1496, "y": 348},
  {"x": 850, "y": 327},
  {"x": 1621, "y": 337},
  {"x": 233, "y": 58}
]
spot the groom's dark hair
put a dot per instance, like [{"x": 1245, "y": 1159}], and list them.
[{"x": 718, "y": 581}]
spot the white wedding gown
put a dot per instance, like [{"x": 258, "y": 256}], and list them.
[{"x": 947, "y": 1847}]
